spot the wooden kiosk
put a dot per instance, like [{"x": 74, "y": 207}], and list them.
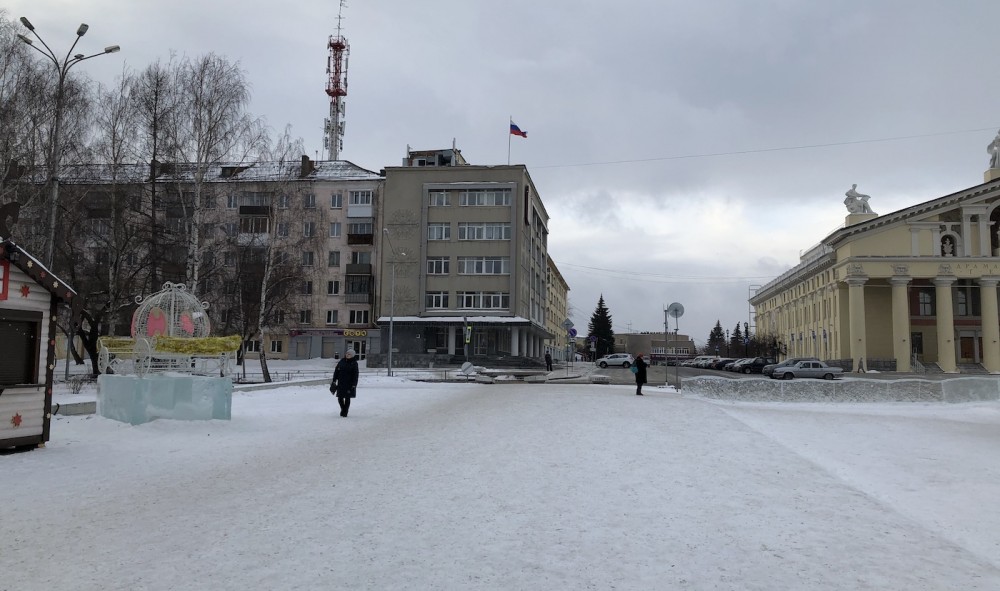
[{"x": 29, "y": 300}]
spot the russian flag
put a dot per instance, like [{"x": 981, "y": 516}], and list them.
[{"x": 515, "y": 130}]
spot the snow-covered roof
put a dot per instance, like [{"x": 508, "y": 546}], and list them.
[{"x": 222, "y": 172}]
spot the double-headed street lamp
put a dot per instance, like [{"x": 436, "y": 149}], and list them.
[
  {"x": 392, "y": 295},
  {"x": 62, "y": 68}
]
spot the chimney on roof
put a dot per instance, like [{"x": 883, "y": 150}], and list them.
[{"x": 308, "y": 166}]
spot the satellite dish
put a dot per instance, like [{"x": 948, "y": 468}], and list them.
[
  {"x": 467, "y": 368},
  {"x": 675, "y": 310}
]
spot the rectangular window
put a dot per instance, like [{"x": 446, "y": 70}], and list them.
[
  {"x": 361, "y": 257},
  {"x": 275, "y": 346},
  {"x": 307, "y": 258},
  {"x": 483, "y": 231},
  {"x": 232, "y": 201},
  {"x": 360, "y": 228},
  {"x": 332, "y": 287},
  {"x": 230, "y": 228},
  {"x": 479, "y": 300},
  {"x": 438, "y": 231},
  {"x": 484, "y": 265},
  {"x": 207, "y": 201},
  {"x": 925, "y": 302},
  {"x": 438, "y": 198},
  {"x": 283, "y": 201},
  {"x": 252, "y": 347},
  {"x": 283, "y": 229},
  {"x": 253, "y": 225},
  {"x": 359, "y": 198},
  {"x": 337, "y": 201},
  {"x": 334, "y": 229},
  {"x": 437, "y": 299},
  {"x": 307, "y": 287},
  {"x": 229, "y": 259},
  {"x": 333, "y": 259},
  {"x": 305, "y": 316},
  {"x": 359, "y": 317},
  {"x": 485, "y": 197},
  {"x": 437, "y": 265},
  {"x": 331, "y": 317},
  {"x": 308, "y": 229},
  {"x": 309, "y": 201}
]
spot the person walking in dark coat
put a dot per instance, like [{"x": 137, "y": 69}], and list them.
[
  {"x": 345, "y": 381},
  {"x": 640, "y": 374},
  {"x": 548, "y": 362}
]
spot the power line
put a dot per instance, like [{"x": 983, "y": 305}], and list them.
[
  {"x": 780, "y": 149},
  {"x": 662, "y": 278}
]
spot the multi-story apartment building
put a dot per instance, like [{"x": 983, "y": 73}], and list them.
[
  {"x": 556, "y": 313},
  {"x": 314, "y": 221},
  {"x": 656, "y": 346},
  {"x": 463, "y": 260}
]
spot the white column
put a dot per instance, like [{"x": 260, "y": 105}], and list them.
[
  {"x": 966, "y": 235},
  {"x": 515, "y": 341},
  {"x": 856, "y": 310},
  {"x": 945, "y": 324},
  {"x": 901, "y": 348},
  {"x": 991, "y": 323},
  {"x": 451, "y": 339}
]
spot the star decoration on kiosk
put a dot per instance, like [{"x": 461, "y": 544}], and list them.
[
  {"x": 16, "y": 420},
  {"x": 25, "y": 290}
]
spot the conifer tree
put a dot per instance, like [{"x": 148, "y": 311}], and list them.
[
  {"x": 600, "y": 327},
  {"x": 716, "y": 339}
]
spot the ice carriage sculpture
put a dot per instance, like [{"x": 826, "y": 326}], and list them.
[
  {"x": 170, "y": 331},
  {"x": 178, "y": 371}
]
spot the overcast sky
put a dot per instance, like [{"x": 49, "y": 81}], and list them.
[{"x": 685, "y": 151}]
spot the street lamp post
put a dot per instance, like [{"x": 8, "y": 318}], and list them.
[
  {"x": 62, "y": 68},
  {"x": 728, "y": 343},
  {"x": 392, "y": 296}
]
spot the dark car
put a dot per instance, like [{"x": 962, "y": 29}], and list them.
[
  {"x": 757, "y": 364},
  {"x": 769, "y": 369},
  {"x": 720, "y": 363}
]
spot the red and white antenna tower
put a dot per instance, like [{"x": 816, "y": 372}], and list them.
[{"x": 336, "y": 88}]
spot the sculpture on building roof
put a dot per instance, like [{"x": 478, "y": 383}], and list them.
[
  {"x": 857, "y": 202},
  {"x": 994, "y": 151}
]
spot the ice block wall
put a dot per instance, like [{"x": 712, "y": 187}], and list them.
[{"x": 136, "y": 400}]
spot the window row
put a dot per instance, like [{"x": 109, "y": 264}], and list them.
[
  {"x": 468, "y": 300},
  {"x": 469, "y": 265},
  {"x": 469, "y": 231},
  {"x": 333, "y": 317},
  {"x": 471, "y": 198}
]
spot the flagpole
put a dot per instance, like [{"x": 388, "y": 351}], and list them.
[{"x": 508, "y": 139}]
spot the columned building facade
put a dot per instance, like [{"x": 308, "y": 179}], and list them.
[{"x": 904, "y": 291}]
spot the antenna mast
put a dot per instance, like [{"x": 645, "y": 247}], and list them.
[{"x": 336, "y": 88}]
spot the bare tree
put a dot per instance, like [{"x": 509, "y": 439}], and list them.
[{"x": 210, "y": 126}]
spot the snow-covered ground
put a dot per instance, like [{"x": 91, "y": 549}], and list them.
[{"x": 510, "y": 486}]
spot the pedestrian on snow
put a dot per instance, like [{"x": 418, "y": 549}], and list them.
[
  {"x": 345, "y": 381},
  {"x": 640, "y": 373},
  {"x": 548, "y": 362}
]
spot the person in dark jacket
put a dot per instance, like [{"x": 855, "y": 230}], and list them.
[
  {"x": 640, "y": 374},
  {"x": 345, "y": 381},
  {"x": 548, "y": 362}
]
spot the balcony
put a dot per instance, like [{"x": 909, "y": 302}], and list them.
[
  {"x": 358, "y": 298},
  {"x": 358, "y": 269},
  {"x": 360, "y": 238}
]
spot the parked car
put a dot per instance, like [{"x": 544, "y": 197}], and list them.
[
  {"x": 769, "y": 369},
  {"x": 756, "y": 364},
  {"x": 806, "y": 369},
  {"x": 720, "y": 362},
  {"x": 735, "y": 365},
  {"x": 623, "y": 359}
]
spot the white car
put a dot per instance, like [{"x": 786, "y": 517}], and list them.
[{"x": 623, "y": 359}]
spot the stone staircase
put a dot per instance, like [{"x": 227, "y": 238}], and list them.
[{"x": 972, "y": 368}]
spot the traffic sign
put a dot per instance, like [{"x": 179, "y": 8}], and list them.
[
  {"x": 592, "y": 339},
  {"x": 572, "y": 333}
]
